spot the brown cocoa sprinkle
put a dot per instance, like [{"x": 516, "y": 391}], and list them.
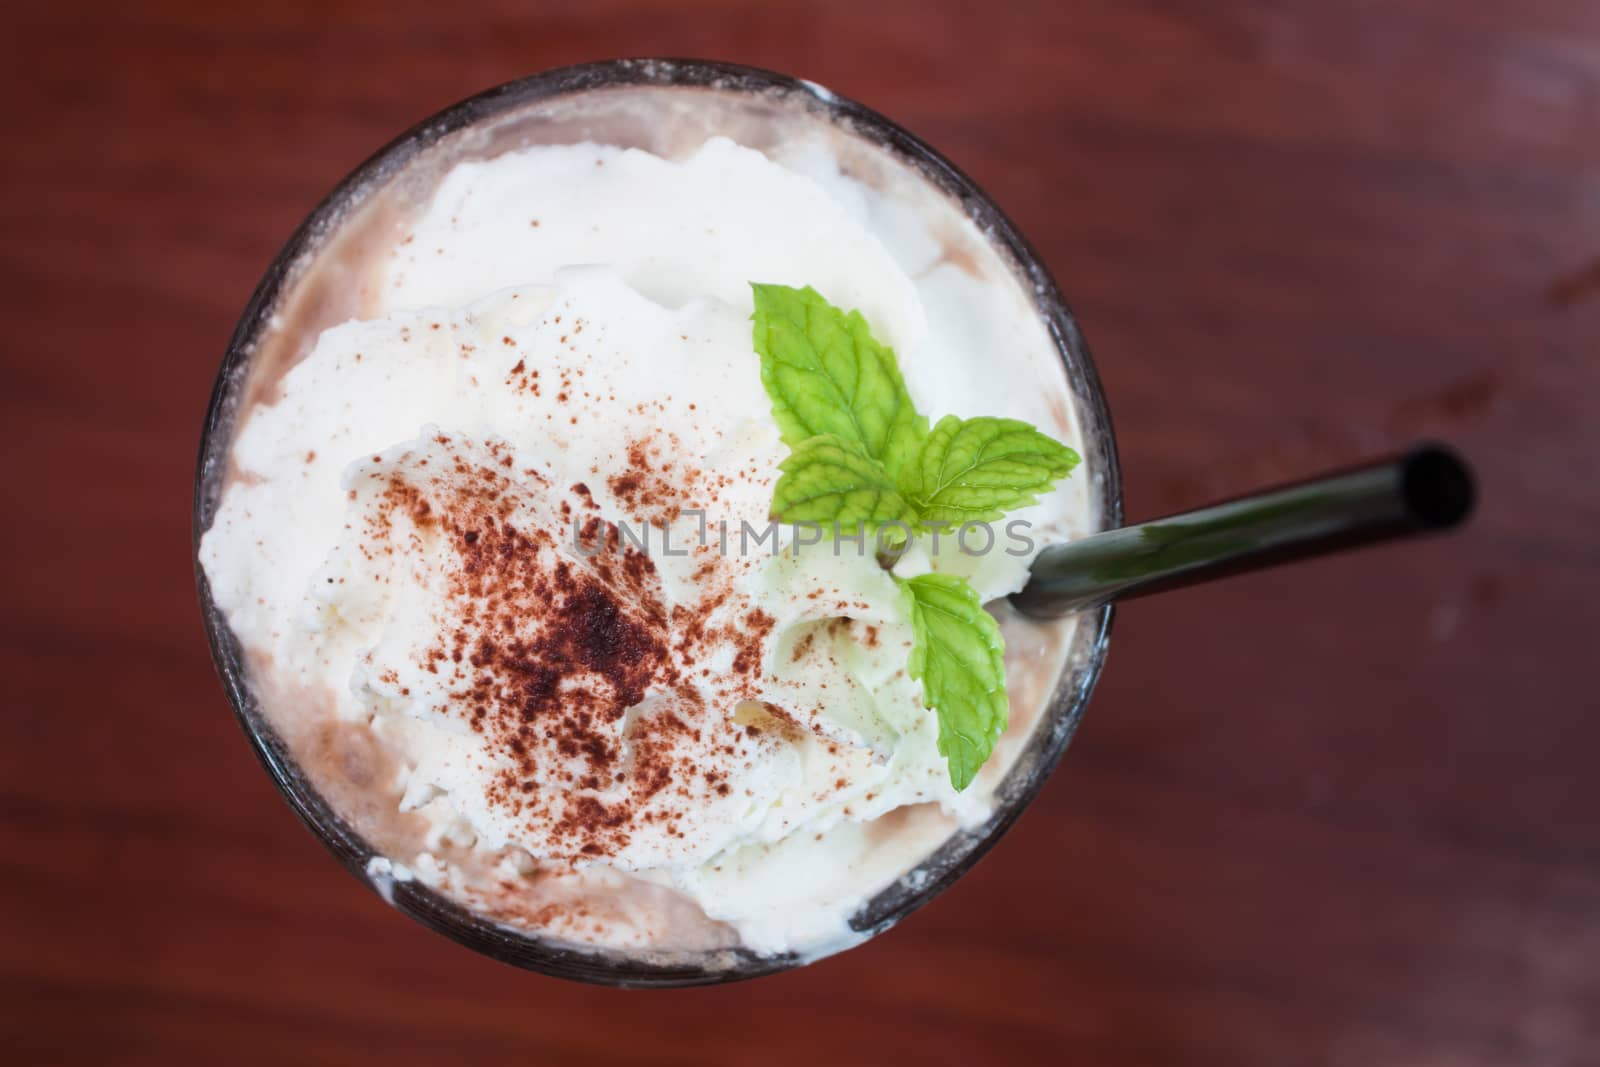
[
  {"x": 782, "y": 722},
  {"x": 626, "y": 485},
  {"x": 590, "y": 692},
  {"x": 653, "y": 489},
  {"x": 751, "y": 640}
]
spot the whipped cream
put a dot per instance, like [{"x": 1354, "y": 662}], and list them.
[{"x": 512, "y": 524}]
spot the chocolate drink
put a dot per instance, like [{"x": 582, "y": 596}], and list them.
[{"x": 513, "y": 354}]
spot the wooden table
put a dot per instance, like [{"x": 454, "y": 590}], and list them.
[{"x": 1343, "y": 814}]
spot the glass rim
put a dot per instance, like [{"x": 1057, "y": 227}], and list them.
[{"x": 1072, "y": 689}]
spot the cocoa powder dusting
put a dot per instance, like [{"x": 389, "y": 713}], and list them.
[
  {"x": 653, "y": 488},
  {"x": 547, "y": 651}
]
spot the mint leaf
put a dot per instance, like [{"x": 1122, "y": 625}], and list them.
[
  {"x": 976, "y": 470},
  {"x": 828, "y": 479},
  {"x": 959, "y": 656},
  {"x": 826, "y": 375}
]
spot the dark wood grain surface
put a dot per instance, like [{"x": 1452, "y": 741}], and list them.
[{"x": 1347, "y": 813}]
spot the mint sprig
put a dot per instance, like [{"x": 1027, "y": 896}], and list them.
[{"x": 862, "y": 456}]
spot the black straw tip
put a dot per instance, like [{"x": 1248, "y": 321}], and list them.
[{"x": 1438, "y": 487}]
